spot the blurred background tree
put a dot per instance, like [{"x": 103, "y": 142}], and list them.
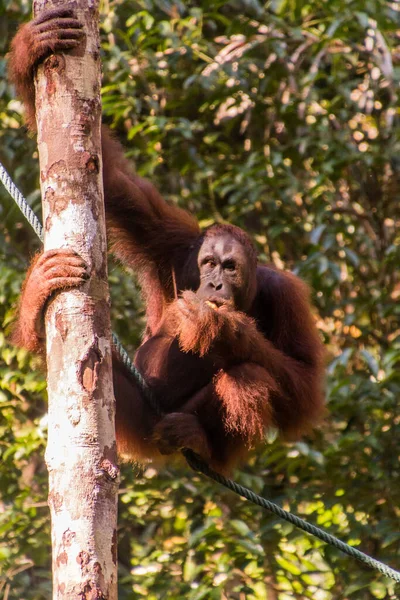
[{"x": 281, "y": 118}]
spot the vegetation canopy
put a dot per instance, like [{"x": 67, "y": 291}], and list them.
[{"x": 281, "y": 118}]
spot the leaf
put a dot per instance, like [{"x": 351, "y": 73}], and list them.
[
  {"x": 288, "y": 566},
  {"x": 241, "y": 527},
  {"x": 378, "y": 590},
  {"x": 371, "y": 362},
  {"x": 352, "y": 256},
  {"x": 316, "y": 233}
]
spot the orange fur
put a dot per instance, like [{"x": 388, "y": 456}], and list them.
[{"x": 245, "y": 391}]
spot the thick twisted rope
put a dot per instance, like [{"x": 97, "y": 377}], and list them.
[
  {"x": 193, "y": 460},
  {"x": 198, "y": 464},
  {"x": 21, "y": 202},
  {"x": 138, "y": 377}
]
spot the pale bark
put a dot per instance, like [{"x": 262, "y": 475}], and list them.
[{"x": 81, "y": 451}]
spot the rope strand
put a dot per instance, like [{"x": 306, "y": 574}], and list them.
[
  {"x": 197, "y": 464},
  {"x": 21, "y": 202}
]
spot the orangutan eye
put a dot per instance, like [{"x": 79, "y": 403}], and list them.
[
  {"x": 229, "y": 265},
  {"x": 208, "y": 261}
]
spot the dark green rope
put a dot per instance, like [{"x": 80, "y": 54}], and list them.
[
  {"x": 194, "y": 461},
  {"x": 21, "y": 202},
  {"x": 198, "y": 464},
  {"x": 138, "y": 377}
]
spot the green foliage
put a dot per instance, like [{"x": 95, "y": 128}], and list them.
[{"x": 281, "y": 118}]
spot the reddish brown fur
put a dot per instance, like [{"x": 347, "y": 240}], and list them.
[
  {"x": 222, "y": 377},
  {"x": 41, "y": 281}
]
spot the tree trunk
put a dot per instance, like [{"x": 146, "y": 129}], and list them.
[{"x": 81, "y": 451}]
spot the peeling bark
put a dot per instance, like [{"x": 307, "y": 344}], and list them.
[{"x": 81, "y": 451}]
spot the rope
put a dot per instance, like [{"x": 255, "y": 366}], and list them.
[
  {"x": 21, "y": 202},
  {"x": 197, "y": 464},
  {"x": 138, "y": 377},
  {"x": 193, "y": 460}
]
